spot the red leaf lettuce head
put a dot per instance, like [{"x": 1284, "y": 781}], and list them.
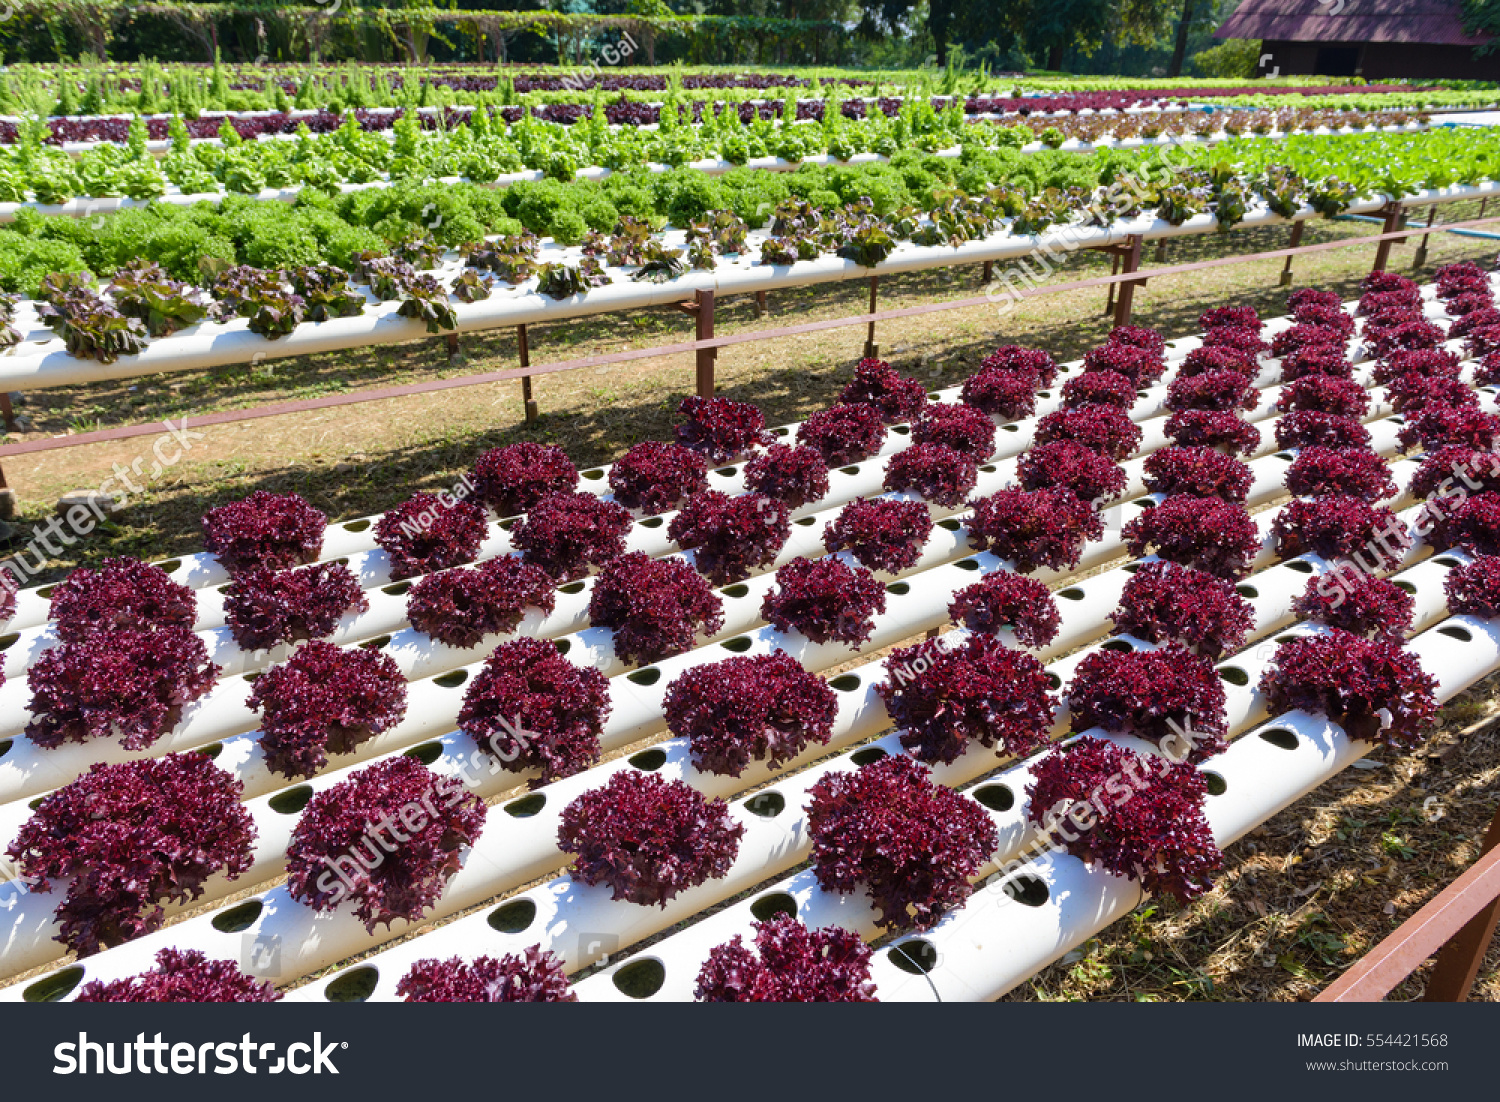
[
  {"x": 720, "y": 428},
  {"x": 1348, "y": 598},
  {"x": 127, "y": 838},
  {"x": 1472, "y": 525},
  {"x": 1352, "y": 472},
  {"x": 1199, "y": 472},
  {"x": 430, "y": 532},
  {"x": 1328, "y": 360},
  {"x": 1434, "y": 426},
  {"x": 1034, "y": 528},
  {"x": 1008, "y": 393},
  {"x": 1483, "y": 318},
  {"x": 1455, "y": 469},
  {"x": 763, "y": 707},
  {"x": 1138, "y": 336},
  {"x": 1310, "y": 296},
  {"x": 844, "y": 434},
  {"x": 1408, "y": 335},
  {"x": 1412, "y": 392},
  {"x": 1375, "y": 304},
  {"x": 655, "y": 607},
  {"x": 1166, "y": 603},
  {"x": 1214, "y": 357},
  {"x": 325, "y": 700},
  {"x": 790, "y": 964},
  {"x": 121, "y": 593},
  {"x": 1377, "y": 692},
  {"x": 1159, "y": 837},
  {"x": 1169, "y": 697},
  {"x": 936, "y": 472},
  {"x": 731, "y": 535},
  {"x": 124, "y": 684},
  {"x": 654, "y": 477},
  {"x": 1217, "y": 537},
  {"x": 1141, "y": 366},
  {"x": 1338, "y": 526},
  {"x": 431, "y": 819},
  {"x": 1237, "y": 317},
  {"x": 883, "y": 534},
  {"x": 1301, "y": 336},
  {"x": 793, "y": 476},
  {"x": 962, "y": 428},
  {"x": 1473, "y": 589},
  {"x": 1012, "y": 357},
  {"x": 876, "y": 383},
  {"x": 1006, "y": 599},
  {"x": 460, "y": 607},
  {"x": 1212, "y": 390},
  {"x": 910, "y": 843},
  {"x": 1324, "y": 394},
  {"x": 1306, "y": 428},
  {"x": 826, "y": 600},
  {"x": 1335, "y": 318},
  {"x": 510, "y": 480},
  {"x": 1107, "y": 430},
  {"x": 265, "y": 529},
  {"x": 1241, "y": 340},
  {"x": 182, "y": 976},
  {"x": 1431, "y": 362},
  {"x": 648, "y": 839},
  {"x": 1382, "y": 281},
  {"x": 537, "y": 976},
  {"x": 265, "y": 607},
  {"x": 565, "y": 534},
  {"x": 530, "y": 708},
  {"x": 943, "y": 695},
  {"x": 1484, "y": 341},
  {"x": 1093, "y": 477},
  {"x": 1467, "y": 302},
  {"x": 1487, "y": 372},
  {"x": 1102, "y": 388},
  {"x": 1201, "y": 428}
]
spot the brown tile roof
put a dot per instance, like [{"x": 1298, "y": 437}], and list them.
[{"x": 1431, "y": 22}]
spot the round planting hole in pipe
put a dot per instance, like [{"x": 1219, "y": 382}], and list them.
[
  {"x": 648, "y": 676},
  {"x": 7, "y": 641},
  {"x": 1301, "y": 566},
  {"x": 736, "y": 590},
  {"x": 45, "y": 591},
  {"x": 238, "y": 918},
  {"x": 1072, "y": 593},
  {"x": 1029, "y": 891},
  {"x": 1280, "y": 737},
  {"x": 354, "y": 986},
  {"x": 1011, "y": 428},
  {"x": 950, "y": 524},
  {"x": 1131, "y": 567},
  {"x": 967, "y": 564},
  {"x": 514, "y": 917},
  {"x": 900, "y": 589},
  {"x": 5, "y": 745},
  {"x": 1235, "y": 676},
  {"x": 1117, "y": 645},
  {"x": 452, "y": 679},
  {"x": 652, "y": 522},
  {"x": 1285, "y": 457},
  {"x": 1447, "y": 560},
  {"x": 377, "y": 643},
  {"x": 1249, "y": 592},
  {"x": 562, "y": 645},
  {"x": 640, "y": 979},
  {"x": 867, "y": 756},
  {"x": 1053, "y": 681},
  {"x": 571, "y": 588},
  {"x": 988, "y": 468},
  {"x": 846, "y": 683},
  {"x": 904, "y": 430},
  {"x": 649, "y": 761},
  {"x": 1217, "y": 785},
  {"x": 726, "y": 472},
  {"x": 54, "y": 988},
  {"x": 849, "y": 470},
  {"x": 526, "y": 806},
  {"x": 767, "y": 805},
  {"x": 427, "y": 753},
  {"x": 739, "y": 644},
  {"x": 171, "y": 566},
  {"x": 996, "y": 797},
  {"x": 916, "y": 957},
  {"x": 783, "y": 431},
  {"x": 396, "y": 589},
  {"x": 593, "y": 475},
  {"x": 1404, "y": 585},
  {"x": 357, "y": 525},
  {"x": 1454, "y": 631},
  {"x": 806, "y": 522},
  {"x": 292, "y": 801}
]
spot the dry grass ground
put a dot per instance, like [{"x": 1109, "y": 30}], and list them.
[{"x": 1298, "y": 901}]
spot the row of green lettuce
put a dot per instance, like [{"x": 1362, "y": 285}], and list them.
[
  {"x": 481, "y": 149},
  {"x": 193, "y": 241}
]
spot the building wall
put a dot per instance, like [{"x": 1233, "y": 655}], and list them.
[{"x": 1380, "y": 60}]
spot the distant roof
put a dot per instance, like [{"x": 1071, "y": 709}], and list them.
[{"x": 1429, "y": 22}]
